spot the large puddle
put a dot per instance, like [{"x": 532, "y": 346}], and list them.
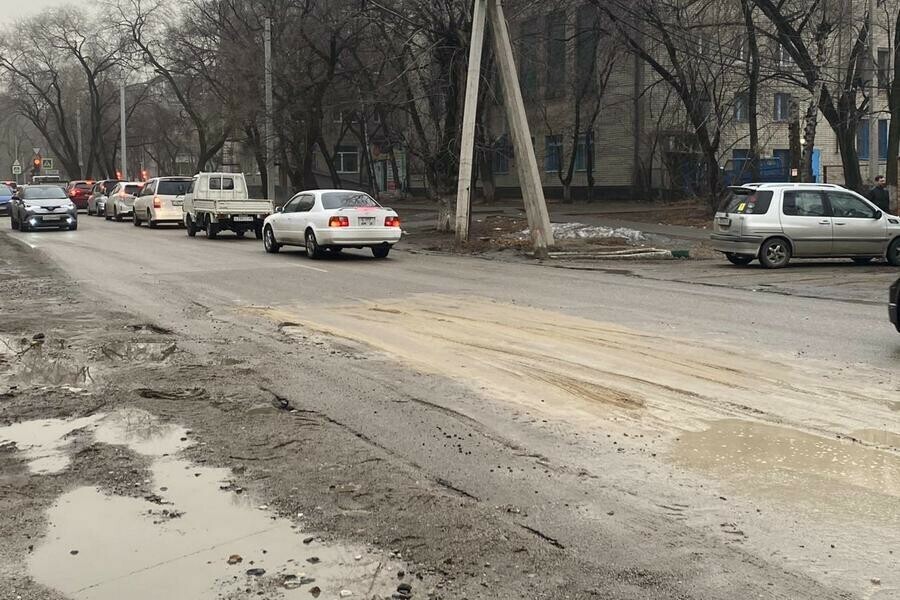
[
  {"x": 197, "y": 542},
  {"x": 841, "y": 476}
]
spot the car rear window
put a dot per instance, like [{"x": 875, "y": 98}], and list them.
[
  {"x": 332, "y": 200},
  {"x": 221, "y": 183},
  {"x": 108, "y": 187},
  {"x": 44, "y": 193},
  {"x": 747, "y": 202},
  {"x": 173, "y": 188},
  {"x": 83, "y": 186},
  {"x": 134, "y": 190}
]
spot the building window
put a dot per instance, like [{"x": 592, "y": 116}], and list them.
[
  {"x": 528, "y": 65},
  {"x": 556, "y": 53},
  {"x": 585, "y": 143},
  {"x": 862, "y": 140},
  {"x": 586, "y": 42},
  {"x": 741, "y": 108},
  {"x": 553, "y": 153},
  {"x": 884, "y": 68},
  {"x": 883, "y": 129},
  {"x": 346, "y": 159},
  {"x": 782, "y": 107},
  {"x": 742, "y": 49},
  {"x": 783, "y": 57}
]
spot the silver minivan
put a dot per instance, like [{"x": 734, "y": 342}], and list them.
[{"x": 775, "y": 222}]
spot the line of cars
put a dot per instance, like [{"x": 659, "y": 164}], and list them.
[{"x": 320, "y": 221}]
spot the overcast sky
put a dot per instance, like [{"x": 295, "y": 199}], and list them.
[{"x": 10, "y": 10}]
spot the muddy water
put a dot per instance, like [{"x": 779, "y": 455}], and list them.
[
  {"x": 822, "y": 474},
  {"x": 102, "y": 547},
  {"x": 44, "y": 444}
]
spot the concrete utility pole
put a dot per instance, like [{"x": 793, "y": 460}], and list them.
[
  {"x": 529, "y": 175},
  {"x": 80, "y": 147},
  {"x": 270, "y": 121},
  {"x": 122, "y": 127},
  {"x": 467, "y": 150},
  {"x": 873, "y": 92}
]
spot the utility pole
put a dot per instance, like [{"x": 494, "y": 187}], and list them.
[
  {"x": 270, "y": 121},
  {"x": 873, "y": 92},
  {"x": 122, "y": 126},
  {"x": 529, "y": 175},
  {"x": 467, "y": 151},
  {"x": 80, "y": 147}
]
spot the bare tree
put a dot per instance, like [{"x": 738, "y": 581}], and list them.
[
  {"x": 810, "y": 34},
  {"x": 168, "y": 48}
]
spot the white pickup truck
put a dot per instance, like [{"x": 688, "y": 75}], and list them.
[{"x": 217, "y": 202}]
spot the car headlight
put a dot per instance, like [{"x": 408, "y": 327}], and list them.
[
  {"x": 70, "y": 206},
  {"x": 30, "y": 209}
]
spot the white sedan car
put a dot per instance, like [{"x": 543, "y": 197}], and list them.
[{"x": 332, "y": 220}]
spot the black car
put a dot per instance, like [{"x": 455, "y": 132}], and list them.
[
  {"x": 42, "y": 206},
  {"x": 894, "y": 305}
]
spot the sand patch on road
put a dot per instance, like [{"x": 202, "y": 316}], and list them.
[{"x": 575, "y": 368}]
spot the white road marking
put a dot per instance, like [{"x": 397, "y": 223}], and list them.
[{"x": 312, "y": 268}]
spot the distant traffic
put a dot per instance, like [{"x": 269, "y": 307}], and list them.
[{"x": 319, "y": 221}]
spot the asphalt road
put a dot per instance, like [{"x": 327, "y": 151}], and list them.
[{"x": 607, "y": 398}]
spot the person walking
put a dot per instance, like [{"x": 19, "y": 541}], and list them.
[{"x": 879, "y": 195}]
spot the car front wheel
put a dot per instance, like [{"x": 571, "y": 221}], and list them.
[
  {"x": 893, "y": 254},
  {"x": 272, "y": 246},
  {"x": 739, "y": 259},
  {"x": 775, "y": 254}
]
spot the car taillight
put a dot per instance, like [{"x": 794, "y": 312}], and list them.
[
  {"x": 339, "y": 222},
  {"x": 157, "y": 203},
  {"x": 392, "y": 222}
]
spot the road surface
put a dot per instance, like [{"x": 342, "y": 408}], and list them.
[{"x": 538, "y": 432}]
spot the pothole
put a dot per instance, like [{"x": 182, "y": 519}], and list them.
[
  {"x": 138, "y": 351},
  {"x": 840, "y": 476},
  {"x": 40, "y": 362},
  {"x": 198, "y": 539}
]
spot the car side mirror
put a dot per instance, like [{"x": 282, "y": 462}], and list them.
[
  {"x": 878, "y": 215},
  {"x": 279, "y": 209}
]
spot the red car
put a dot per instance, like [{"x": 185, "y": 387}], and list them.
[{"x": 79, "y": 192}]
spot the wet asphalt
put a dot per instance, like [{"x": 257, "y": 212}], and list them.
[{"x": 614, "y": 508}]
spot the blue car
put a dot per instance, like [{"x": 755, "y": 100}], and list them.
[{"x": 6, "y": 194}]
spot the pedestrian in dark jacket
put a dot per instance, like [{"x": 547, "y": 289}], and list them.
[{"x": 879, "y": 195}]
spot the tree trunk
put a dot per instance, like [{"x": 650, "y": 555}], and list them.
[
  {"x": 846, "y": 137},
  {"x": 446, "y": 214},
  {"x": 488, "y": 183}
]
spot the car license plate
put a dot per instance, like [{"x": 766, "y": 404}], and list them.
[
  {"x": 51, "y": 217},
  {"x": 366, "y": 221},
  {"x": 243, "y": 219}
]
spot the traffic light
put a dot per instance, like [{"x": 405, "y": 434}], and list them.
[
  {"x": 36, "y": 163},
  {"x": 145, "y": 175}
]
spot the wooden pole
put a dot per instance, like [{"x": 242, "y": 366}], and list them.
[
  {"x": 467, "y": 150},
  {"x": 526, "y": 162}
]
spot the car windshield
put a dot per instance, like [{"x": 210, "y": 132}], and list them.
[
  {"x": 5, "y": 190},
  {"x": 173, "y": 188},
  {"x": 332, "y": 200},
  {"x": 747, "y": 202},
  {"x": 44, "y": 193}
]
